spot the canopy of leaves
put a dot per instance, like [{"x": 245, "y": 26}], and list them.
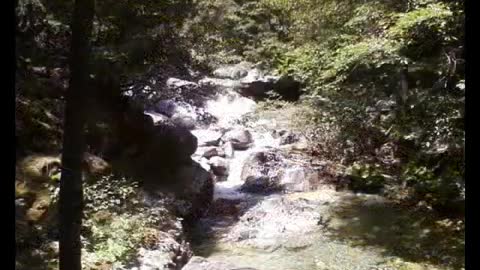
[{"x": 392, "y": 72}]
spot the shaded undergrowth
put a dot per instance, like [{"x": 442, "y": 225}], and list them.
[{"x": 417, "y": 236}]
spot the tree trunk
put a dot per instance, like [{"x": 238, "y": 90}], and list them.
[{"x": 71, "y": 193}]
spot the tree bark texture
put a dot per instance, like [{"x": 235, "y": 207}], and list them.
[{"x": 71, "y": 193}]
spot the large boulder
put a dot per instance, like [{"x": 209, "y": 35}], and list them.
[
  {"x": 257, "y": 89},
  {"x": 385, "y": 106},
  {"x": 298, "y": 178},
  {"x": 260, "y": 184},
  {"x": 39, "y": 209},
  {"x": 235, "y": 72},
  {"x": 261, "y": 173},
  {"x": 165, "y": 107},
  {"x": 146, "y": 134},
  {"x": 288, "y": 88},
  {"x": 272, "y": 171},
  {"x": 37, "y": 168},
  {"x": 181, "y": 113},
  {"x": 257, "y": 85},
  {"x": 240, "y": 138},
  {"x": 155, "y": 155},
  {"x": 184, "y": 121},
  {"x": 96, "y": 165},
  {"x": 173, "y": 141},
  {"x": 197, "y": 190}
]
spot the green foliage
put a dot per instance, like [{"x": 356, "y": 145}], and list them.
[
  {"x": 366, "y": 177},
  {"x": 115, "y": 240},
  {"x": 109, "y": 192},
  {"x": 115, "y": 225},
  {"x": 116, "y": 221},
  {"x": 353, "y": 66},
  {"x": 223, "y": 31},
  {"x": 37, "y": 118},
  {"x": 424, "y": 30},
  {"x": 433, "y": 16}
]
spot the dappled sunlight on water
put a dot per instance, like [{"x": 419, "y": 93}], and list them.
[
  {"x": 412, "y": 235},
  {"x": 359, "y": 232}
]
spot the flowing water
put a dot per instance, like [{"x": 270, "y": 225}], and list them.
[{"x": 355, "y": 231}]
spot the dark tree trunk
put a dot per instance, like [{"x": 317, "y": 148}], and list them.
[{"x": 71, "y": 193}]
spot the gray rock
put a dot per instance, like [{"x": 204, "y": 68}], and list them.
[
  {"x": 257, "y": 89},
  {"x": 219, "y": 166},
  {"x": 174, "y": 139},
  {"x": 185, "y": 121},
  {"x": 240, "y": 138},
  {"x": 197, "y": 189},
  {"x": 207, "y": 137},
  {"x": 210, "y": 151},
  {"x": 298, "y": 178},
  {"x": 261, "y": 172},
  {"x": 257, "y": 85},
  {"x": 277, "y": 221},
  {"x": 235, "y": 72},
  {"x": 182, "y": 113},
  {"x": 260, "y": 184},
  {"x": 165, "y": 107},
  {"x": 178, "y": 83},
  {"x": 272, "y": 171}
]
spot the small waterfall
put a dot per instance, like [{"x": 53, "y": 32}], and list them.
[
  {"x": 229, "y": 107},
  {"x": 229, "y": 189}
]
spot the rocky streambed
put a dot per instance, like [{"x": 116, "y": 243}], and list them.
[{"x": 270, "y": 207}]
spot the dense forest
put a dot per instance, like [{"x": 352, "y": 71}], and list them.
[{"x": 240, "y": 134}]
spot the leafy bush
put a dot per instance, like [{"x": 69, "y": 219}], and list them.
[
  {"x": 115, "y": 225},
  {"x": 382, "y": 73},
  {"x": 116, "y": 220}
]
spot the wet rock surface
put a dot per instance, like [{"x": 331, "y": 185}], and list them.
[
  {"x": 274, "y": 220},
  {"x": 240, "y": 138},
  {"x": 219, "y": 166},
  {"x": 253, "y": 199}
]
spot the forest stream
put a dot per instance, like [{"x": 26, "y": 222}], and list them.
[{"x": 302, "y": 226}]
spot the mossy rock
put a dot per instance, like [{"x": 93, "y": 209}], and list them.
[
  {"x": 40, "y": 208},
  {"x": 36, "y": 169}
]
